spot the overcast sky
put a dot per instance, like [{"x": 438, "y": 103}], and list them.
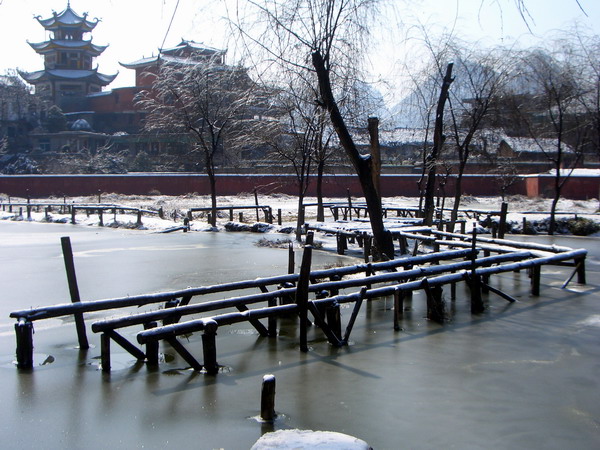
[{"x": 137, "y": 28}]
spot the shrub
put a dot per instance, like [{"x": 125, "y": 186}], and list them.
[{"x": 582, "y": 226}]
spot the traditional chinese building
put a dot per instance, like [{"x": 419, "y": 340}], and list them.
[
  {"x": 185, "y": 53},
  {"x": 68, "y": 72}
]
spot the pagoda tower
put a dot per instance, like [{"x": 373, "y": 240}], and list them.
[{"x": 68, "y": 73}]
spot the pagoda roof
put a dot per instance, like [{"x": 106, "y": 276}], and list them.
[
  {"x": 184, "y": 53},
  {"x": 68, "y": 74},
  {"x": 192, "y": 46},
  {"x": 46, "y": 46},
  {"x": 145, "y": 62},
  {"x": 68, "y": 19}
]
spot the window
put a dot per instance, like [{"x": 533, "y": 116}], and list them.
[{"x": 45, "y": 144}]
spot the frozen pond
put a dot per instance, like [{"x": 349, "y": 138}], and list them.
[{"x": 521, "y": 375}]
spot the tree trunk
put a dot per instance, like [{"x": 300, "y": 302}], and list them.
[
  {"x": 438, "y": 141},
  {"x": 300, "y": 220},
  {"x": 373, "y": 127},
  {"x": 457, "y": 195},
  {"x": 320, "y": 208},
  {"x": 362, "y": 164},
  {"x": 210, "y": 171},
  {"x": 557, "y": 190}
]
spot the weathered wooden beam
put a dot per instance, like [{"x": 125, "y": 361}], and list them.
[
  {"x": 123, "y": 342},
  {"x": 267, "y": 399},
  {"x": 209, "y": 347},
  {"x": 398, "y": 308},
  {"x": 353, "y": 316},
  {"x": 105, "y": 352},
  {"x": 187, "y": 356},
  {"x": 74, "y": 291},
  {"x": 262, "y": 330},
  {"x": 152, "y": 347},
  {"x": 24, "y": 334},
  {"x": 302, "y": 296},
  {"x": 435, "y": 304},
  {"x": 498, "y": 292}
]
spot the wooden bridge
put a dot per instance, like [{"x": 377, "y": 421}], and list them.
[{"x": 468, "y": 258}]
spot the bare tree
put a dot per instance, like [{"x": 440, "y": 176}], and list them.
[
  {"x": 439, "y": 137},
  {"x": 205, "y": 100},
  {"x": 554, "y": 92},
  {"x": 325, "y": 37},
  {"x": 479, "y": 80},
  {"x": 585, "y": 50},
  {"x": 19, "y": 111}
]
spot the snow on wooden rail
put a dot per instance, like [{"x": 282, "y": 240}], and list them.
[
  {"x": 292, "y": 292},
  {"x": 425, "y": 278}
]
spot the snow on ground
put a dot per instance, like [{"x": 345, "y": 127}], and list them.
[
  {"x": 175, "y": 208},
  {"x": 308, "y": 439}
]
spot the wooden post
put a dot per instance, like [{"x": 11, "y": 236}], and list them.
[
  {"x": 105, "y": 352},
  {"x": 272, "y": 319},
  {"x": 368, "y": 272},
  {"x": 279, "y": 216},
  {"x": 241, "y": 217},
  {"x": 231, "y": 214},
  {"x": 302, "y": 296},
  {"x": 73, "y": 214},
  {"x": 139, "y": 218},
  {"x": 209, "y": 346},
  {"x": 463, "y": 226},
  {"x": 403, "y": 245},
  {"x": 100, "y": 212},
  {"x": 349, "y": 205},
  {"x": 536, "y": 275},
  {"x": 366, "y": 247},
  {"x": 435, "y": 304},
  {"x": 291, "y": 262},
  {"x": 99, "y": 196},
  {"x": 152, "y": 347},
  {"x": 580, "y": 267},
  {"x": 398, "y": 308},
  {"x": 267, "y": 399},
  {"x": 334, "y": 319},
  {"x": 524, "y": 225},
  {"x": 74, "y": 291},
  {"x": 28, "y": 212},
  {"x": 256, "y": 203},
  {"x": 46, "y": 215},
  {"x": 477, "y": 306},
  {"x": 310, "y": 236},
  {"x": 24, "y": 334},
  {"x": 341, "y": 243},
  {"x": 502, "y": 224},
  {"x": 485, "y": 278}
]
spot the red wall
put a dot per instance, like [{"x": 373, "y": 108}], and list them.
[
  {"x": 334, "y": 185},
  {"x": 119, "y": 100}
]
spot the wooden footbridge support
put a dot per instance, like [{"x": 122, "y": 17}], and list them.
[
  {"x": 396, "y": 278},
  {"x": 331, "y": 327},
  {"x": 266, "y": 210}
]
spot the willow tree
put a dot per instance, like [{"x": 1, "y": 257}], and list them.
[
  {"x": 325, "y": 38},
  {"x": 205, "y": 100},
  {"x": 480, "y": 77},
  {"x": 553, "y": 116}
]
